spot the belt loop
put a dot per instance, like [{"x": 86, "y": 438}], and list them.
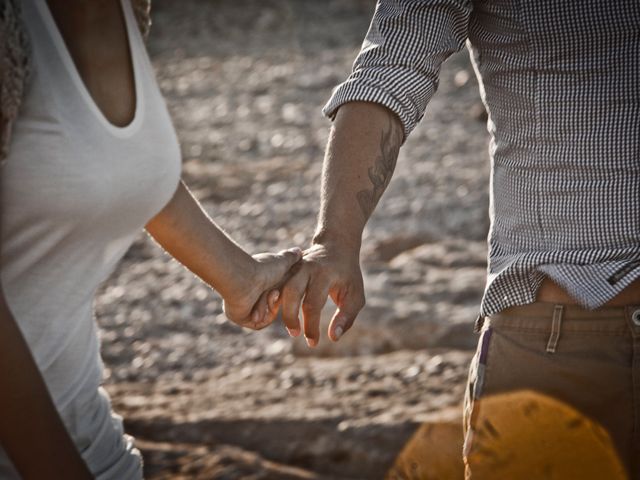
[
  {"x": 556, "y": 326},
  {"x": 477, "y": 327}
]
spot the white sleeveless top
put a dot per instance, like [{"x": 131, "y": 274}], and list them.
[{"x": 75, "y": 192}]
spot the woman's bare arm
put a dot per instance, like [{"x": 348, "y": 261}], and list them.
[
  {"x": 186, "y": 232},
  {"x": 31, "y": 431}
]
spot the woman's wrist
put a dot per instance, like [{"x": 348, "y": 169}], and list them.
[{"x": 239, "y": 275}]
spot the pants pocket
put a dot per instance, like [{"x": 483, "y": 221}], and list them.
[{"x": 475, "y": 386}]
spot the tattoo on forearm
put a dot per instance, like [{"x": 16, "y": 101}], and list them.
[{"x": 382, "y": 170}]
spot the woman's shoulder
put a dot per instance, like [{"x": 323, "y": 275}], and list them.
[{"x": 14, "y": 61}]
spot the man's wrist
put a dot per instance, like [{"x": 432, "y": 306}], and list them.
[{"x": 339, "y": 239}]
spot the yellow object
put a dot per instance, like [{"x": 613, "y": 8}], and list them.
[
  {"x": 521, "y": 435},
  {"x": 526, "y": 435},
  {"x": 434, "y": 451}
]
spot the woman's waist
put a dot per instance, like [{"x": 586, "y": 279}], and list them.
[{"x": 69, "y": 358}]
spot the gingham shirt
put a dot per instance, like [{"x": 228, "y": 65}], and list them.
[{"x": 561, "y": 82}]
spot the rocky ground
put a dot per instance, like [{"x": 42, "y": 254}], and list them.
[{"x": 245, "y": 81}]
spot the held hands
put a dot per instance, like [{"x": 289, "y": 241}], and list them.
[
  {"x": 306, "y": 280},
  {"x": 324, "y": 271},
  {"x": 252, "y": 301}
]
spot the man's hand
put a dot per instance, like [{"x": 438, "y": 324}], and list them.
[{"x": 324, "y": 271}]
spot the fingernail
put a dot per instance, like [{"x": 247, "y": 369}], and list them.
[
  {"x": 338, "y": 332},
  {"x": 276, "y": 296},
  {"x": 311, "y": 342},
  {"x": 293, "y": 332},
  {"x": 296, "y": 250}
]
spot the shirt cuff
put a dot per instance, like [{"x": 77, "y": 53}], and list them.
[{"x": 360, "y": 90}]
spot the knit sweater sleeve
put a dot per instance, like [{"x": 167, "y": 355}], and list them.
[{"x": 14, "y": 68}]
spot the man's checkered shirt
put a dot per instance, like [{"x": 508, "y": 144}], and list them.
[{"x": 561, "y": 82}]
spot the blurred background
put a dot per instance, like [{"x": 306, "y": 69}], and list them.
[{"x": 245, "y": 81}]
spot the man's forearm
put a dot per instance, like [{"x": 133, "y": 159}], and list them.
[
  {"x": 360, "y": 159},
  {"x": 359, "y": 163}
]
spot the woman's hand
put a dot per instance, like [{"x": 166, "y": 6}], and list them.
[{"x": 251, "y": 300}]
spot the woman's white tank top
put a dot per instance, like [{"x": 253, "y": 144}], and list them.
[{"x": 76, "y": 190}]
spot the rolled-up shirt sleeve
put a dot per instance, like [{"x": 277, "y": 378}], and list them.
[{"x": 399, "y": 62}]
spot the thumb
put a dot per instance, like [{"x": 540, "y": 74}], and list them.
[
  {"x": 282, "y": 263},
  {"x": 289, "y": 258},
  {"x": 347, "y": 312}
]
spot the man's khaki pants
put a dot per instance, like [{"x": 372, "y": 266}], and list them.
[{"x": 589, "y": 360}]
